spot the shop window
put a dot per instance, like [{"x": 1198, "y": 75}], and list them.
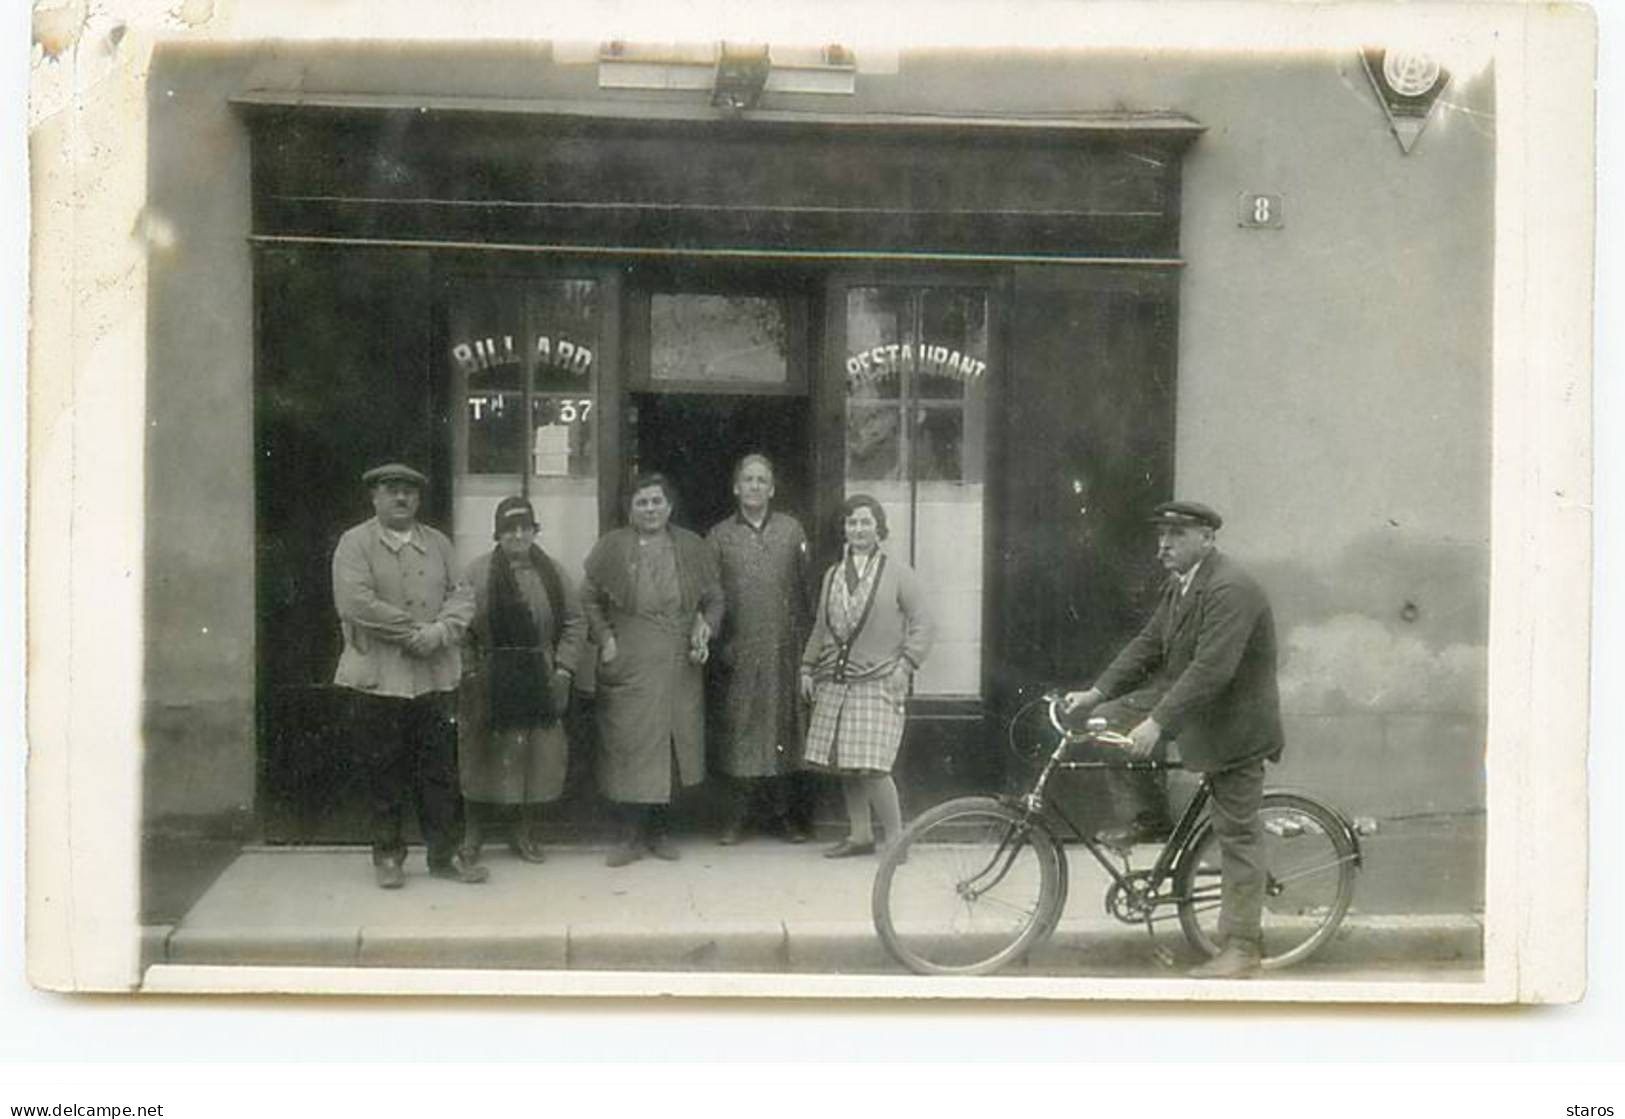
[
  {"x": 725, "y": 339},
  {"x": 523, "y": 355},
  {"x": 916, "y": 370}
]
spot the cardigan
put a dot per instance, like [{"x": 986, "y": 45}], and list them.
[{"x": 898, "y": 627}]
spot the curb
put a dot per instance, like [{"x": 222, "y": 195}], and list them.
[
  {"x": 1080, "y": 947},
  {"x": 503, "y": 946},
  {"x": 754, "y": 946}
]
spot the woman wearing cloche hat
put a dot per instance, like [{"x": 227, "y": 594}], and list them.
[{"x": 523, "y": 646}]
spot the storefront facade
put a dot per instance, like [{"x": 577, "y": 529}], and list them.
[
  {"x": 979, "y": 289},
  {"x": 590, "y": 295}
]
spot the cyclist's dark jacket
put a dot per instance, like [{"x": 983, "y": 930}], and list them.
[{"x": 1205, "y": 666}]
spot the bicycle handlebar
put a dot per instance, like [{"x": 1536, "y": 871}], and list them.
[
  {"x": 1096, "y": 734},
  {"x": 1095, "y": 731}
]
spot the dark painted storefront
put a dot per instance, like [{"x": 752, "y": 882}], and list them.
[{"x": 975, "y": 318}]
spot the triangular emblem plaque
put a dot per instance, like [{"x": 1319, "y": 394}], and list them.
[{"x": 1407, "y": 84}]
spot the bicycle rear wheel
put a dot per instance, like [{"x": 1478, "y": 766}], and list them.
[
  {"x": 1310, "y": 862},
  {"x": 968, "y": 887}
]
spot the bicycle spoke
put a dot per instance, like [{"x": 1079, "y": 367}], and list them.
[
  {"x": 969, "y": 893},
  {"x": 1321, "y": 868},
  {"x": 994, "y": 902}
]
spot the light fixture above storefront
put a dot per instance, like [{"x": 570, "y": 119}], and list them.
[
  {"x": 742, "y": 73},
  {"x": 736, "y": 75}
]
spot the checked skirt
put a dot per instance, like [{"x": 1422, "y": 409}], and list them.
[{"x": 856, "y": 726}]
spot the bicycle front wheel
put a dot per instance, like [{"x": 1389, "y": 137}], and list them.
[
  {"x": 967, "y": 888},
  {"x": 1309, "y": 863}
]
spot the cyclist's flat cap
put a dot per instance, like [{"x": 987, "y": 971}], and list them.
[
  {"x": 394, "y": 472},
  {"x": 1188, "y": 513}
]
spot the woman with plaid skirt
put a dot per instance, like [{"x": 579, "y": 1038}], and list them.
[{"x": 870, "y": 636}]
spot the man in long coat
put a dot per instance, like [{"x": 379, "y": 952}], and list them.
[
  {"x": 1202, "y": 673},
  {"x": 762, "y": 556}
]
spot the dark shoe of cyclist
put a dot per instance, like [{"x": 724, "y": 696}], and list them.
[{"x": 1239, "y": 960}]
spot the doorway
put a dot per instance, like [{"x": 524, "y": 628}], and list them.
[{"x": 696, "y": 439}]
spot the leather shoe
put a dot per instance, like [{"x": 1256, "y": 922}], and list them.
[
  {"x": 663, "y": 848},
  {"x": 459, "y": 869},
  {"x": 847, "y": 849},
  {"x": 1122, "y": 839},
  {"x": 389, "y": 875},
  {"x": 1236, "y": 961},
  {"x": 624, "y": 854},
  {"x": 528, "y": 849}
]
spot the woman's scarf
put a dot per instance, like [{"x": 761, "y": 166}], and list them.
[
  {"x": 850, "y": 595},
  {"x": 518, "y": 666}
]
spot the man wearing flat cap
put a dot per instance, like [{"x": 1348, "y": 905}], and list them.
[
  {"x": 403, "y": 612},
  {"x": 1201, "y": 674}
]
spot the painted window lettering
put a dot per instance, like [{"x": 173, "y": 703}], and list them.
[
  {"x": 927, "y": 360},
  {"x": 478, "y": 355},
  {"x": 562, "y": 410}
]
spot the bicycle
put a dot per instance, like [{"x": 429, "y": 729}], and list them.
[{"x": 979, "y": 881}]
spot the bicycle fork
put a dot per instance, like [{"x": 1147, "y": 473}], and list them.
[{"x": 1003, "y": 858}]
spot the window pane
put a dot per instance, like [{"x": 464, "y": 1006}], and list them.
[
  {"x": 938, "y": 444},
  {"x": 878, "y": 322},
  {"x": 496, "y": 328},
  {"x": 495, "y": 429},
  {"x": 502, "y": 330},
  {"x": 566, "y": 326},
  {"x": 562, "y": 430},
  {"x": 953, "y": 331},
  {"x": 564, "y": 319},
  {"x": 873, "y": 441},
  {"x": 736, "y": 339},
  {"x": 485, "y": 326}
]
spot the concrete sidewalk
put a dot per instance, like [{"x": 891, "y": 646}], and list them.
[{"x": 763, "y": 906}]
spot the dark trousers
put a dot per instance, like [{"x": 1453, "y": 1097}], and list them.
[
  {"x": 1237, "y": 793},
  {"x": 788, "y": 798},
  {"x": 1139, "y": 796},
  {"x": 409, "y": 750}
]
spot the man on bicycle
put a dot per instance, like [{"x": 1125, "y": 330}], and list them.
[{"x": 1202, "y": 674}]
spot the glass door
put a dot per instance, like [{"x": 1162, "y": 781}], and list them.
[
  {"x": 524, "y": 357},
  {"x": 913, "y": 370}
]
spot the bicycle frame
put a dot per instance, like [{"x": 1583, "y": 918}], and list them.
[
  {"x": 1040, "y": 811},
  {"x": 1184, "y": 881},
  {"x": 1039, "y": 807}
]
